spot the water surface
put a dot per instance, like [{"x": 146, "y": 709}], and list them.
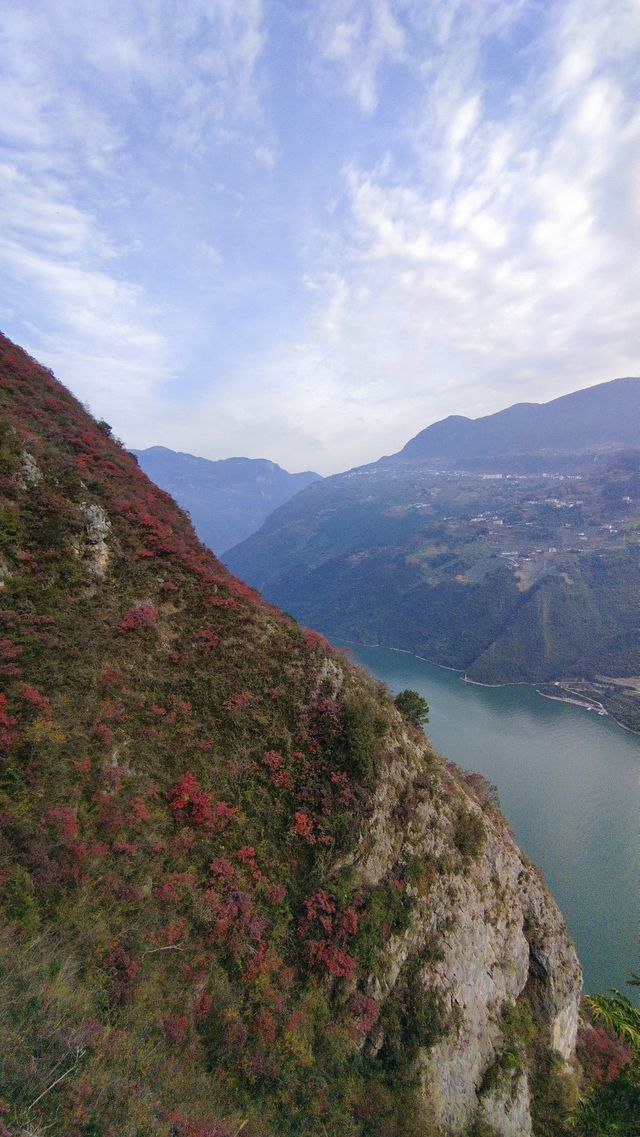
[{"x": 569, "y": 785}]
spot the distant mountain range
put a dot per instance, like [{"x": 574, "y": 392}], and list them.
[
  {"x": 607, "y": 415},
  {"x": 506, "y": 546},
  {"x": 227, "y": 500}
]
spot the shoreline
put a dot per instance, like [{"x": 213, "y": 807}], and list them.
[
  {"x": 597, "y": 707},
  {"x": 600, "y": 710}
]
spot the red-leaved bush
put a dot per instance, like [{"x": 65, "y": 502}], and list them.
[
  {"x": 602, "y": 1056},
  {"x": 139, "y": 616},
  {"x": 188, "y": 800}
]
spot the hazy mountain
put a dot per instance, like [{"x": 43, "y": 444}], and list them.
[
  {"x": 597, "y": 417},
  {"x": 226, "y": 500},
  {"x": 238, "y": 890},
  {"x": 526, "y": 577}
]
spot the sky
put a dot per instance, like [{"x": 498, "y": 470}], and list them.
[{"x": 306, "y": 229}]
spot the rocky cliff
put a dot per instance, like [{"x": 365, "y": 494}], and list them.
[{"x": 240, "y": 892}]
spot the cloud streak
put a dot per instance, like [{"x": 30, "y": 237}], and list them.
[
  {"x": 304, "y": 231},
  {"x": 494, "y": 261},
  {"x": 95, "y": 106}
]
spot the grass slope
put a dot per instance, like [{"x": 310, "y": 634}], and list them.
[{"x": 181, "y": 764}]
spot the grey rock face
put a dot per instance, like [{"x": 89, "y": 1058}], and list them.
[
  {"x": 96, "y": 548},
  {"x": 31, "y": 472},
  {"x": 495, "y": 936}
]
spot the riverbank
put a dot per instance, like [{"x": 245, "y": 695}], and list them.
[
  {"x": 598, "y": 708},
  {"x": 618, "y": 712}
]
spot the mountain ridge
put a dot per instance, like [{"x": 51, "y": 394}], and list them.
[
  {"x": 227, "y": 498},
  {"x": 514, "y": 568},
  {"x": 517, "y": 427}
]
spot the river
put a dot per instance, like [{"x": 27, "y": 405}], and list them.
[{"x": 569, "y": 785}]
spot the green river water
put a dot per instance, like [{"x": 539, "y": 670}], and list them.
[{"x": 569, "y": 785}]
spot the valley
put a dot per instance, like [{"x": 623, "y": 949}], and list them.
[{"x": 512, "y": 578}]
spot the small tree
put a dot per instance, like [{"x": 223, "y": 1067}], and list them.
[{"x": 413, "y": 707}]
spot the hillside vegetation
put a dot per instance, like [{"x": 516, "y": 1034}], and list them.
[{"x": 239, "y": 892}]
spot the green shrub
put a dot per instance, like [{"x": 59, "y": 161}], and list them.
[
  {"x": 468, "y": 834},
  {"x": 362, "y": 733},
  {"x": 412, "y": 1019},
  {"x": 413, "y": 707},
  {"x": 19, "y": 900},
  {"x": 388, "y": 911}
]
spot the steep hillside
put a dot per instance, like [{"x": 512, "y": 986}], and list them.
[
  {"x": 512, "y": 578},
  {"x": 239, "y": 891},
  {"x": 603, "y": 416},
  {"x": 228, "y": 500}
]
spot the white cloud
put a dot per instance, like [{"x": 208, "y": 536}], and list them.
[
  {"x": 96, "y": 104},
  {"x": 495, "y": 261},
  {"x": 360, "y": 38},
  {"x": 380, "y": 213}
]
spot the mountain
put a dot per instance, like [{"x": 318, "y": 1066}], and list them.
[
  {"x": 510, "y": 576},
  {"x": 239, "y": 891},
  {"x": 226, "y": 500},
  {"x": 607, "y": 415}
]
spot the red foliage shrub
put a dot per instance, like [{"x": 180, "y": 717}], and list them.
[
  {"x": 365, "y": 1010},
  {"x": 139, "y": 616},
  {"x": 484, "y": 790},
  {"x": 303, "y": 826},
  {"x": 331, "y": 958},
  {"x": 30, "y": 694},
  {"x": 602, "y": 1055},
  {"x": 237, "y": 701},
  {"x": 187, "y": 799},
  {"x": 175, "y": 1027},
  {"x": 314, "y": 639},
  {"x": 206, "y": 639},
  {"x": 267, "y": 1027},
  {"x": 103, "y": 732},
  {"x": 173, "y": 885},
  {"x": 126, "y": 847},
  {"x": 328, "y": 709},
  {"x": 173, "y": 932},
  {"x": 7, "y": 723},
  {"x": 274, "y": 762},
  {"x": 331, "y": 931},
  {"x": 9, "y": 650},
  {"x": 247, "y": 856},
  {"x": 220, "y": 867},
  {"x": 139, "y": 811},
  {"x": 64, "y": 819},
  {"x": 275, "y": 893}
]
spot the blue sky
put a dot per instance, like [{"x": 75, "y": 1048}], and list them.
[{"x": 304, "y": 230}]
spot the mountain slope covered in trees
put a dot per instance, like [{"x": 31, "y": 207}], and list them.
[
  {"x": 528, "y": 572},
  {"x": 239, "y": 892}
]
